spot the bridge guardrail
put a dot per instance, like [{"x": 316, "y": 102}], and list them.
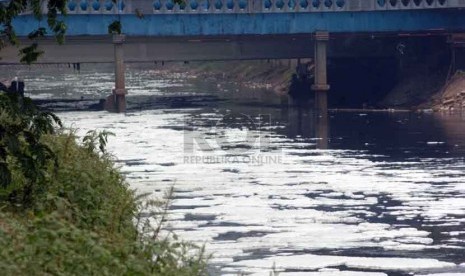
[{"x": 146, "y": 7}]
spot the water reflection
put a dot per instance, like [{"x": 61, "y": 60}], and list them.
[
  {"x": 307, "y": 123},
  {"x": 452, "y": 126},
  {"x": 322, "y": 130}
]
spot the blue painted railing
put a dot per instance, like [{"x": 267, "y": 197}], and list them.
[
  {"x": 255, "y": 17},
  {"x": 251, "y": 6}
]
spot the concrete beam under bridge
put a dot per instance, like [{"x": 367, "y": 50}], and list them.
[{"x": 99, "y": 49}]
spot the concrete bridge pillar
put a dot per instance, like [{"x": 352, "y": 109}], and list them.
[
  {"x": 321, "y": 86},
  {"x": 117, "y": 101}
]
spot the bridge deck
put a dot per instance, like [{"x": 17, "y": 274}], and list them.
[
  {"x": 255, "y": 17},
  {"x": 449, "y": 20},
  {"x": 232, "y": 29}
]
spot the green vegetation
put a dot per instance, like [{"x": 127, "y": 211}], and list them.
[
  {"x": 10, "y": 10},
  {"x": 65, "y": 209}
]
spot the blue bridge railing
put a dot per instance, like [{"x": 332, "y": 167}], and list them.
[
  {"x": 252, "y": 6},
  {"x": 255, "y": 17}
]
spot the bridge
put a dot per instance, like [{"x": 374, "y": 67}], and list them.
[{"x": 156, "y": 30}]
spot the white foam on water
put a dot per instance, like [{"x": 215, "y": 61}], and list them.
[
  {"x": 443, "y": 274},
  {"x": 312, "y": 200},
  {"x": 313, "y": 262},
  {"x": 324, "y": 273}
]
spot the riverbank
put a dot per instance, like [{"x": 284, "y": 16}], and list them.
[
  {"x": 416, "y": 89},
  {"x": 273, "y": 75},
  {"x": 452, "y": 96},
  {"x": 65, "y": 208},
  {"x": 419, "y": 88}
]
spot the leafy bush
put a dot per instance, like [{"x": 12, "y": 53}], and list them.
[
  {"x": 65, "y": 209},
  {"x": 24, "y": 157}
]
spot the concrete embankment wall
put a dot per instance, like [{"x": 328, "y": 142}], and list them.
[{"x": 274, "y": 75}]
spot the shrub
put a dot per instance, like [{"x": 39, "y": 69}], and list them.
[{"x": 65, "y": 209}]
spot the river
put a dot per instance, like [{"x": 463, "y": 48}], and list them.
[{"x": 263, "y": 186}]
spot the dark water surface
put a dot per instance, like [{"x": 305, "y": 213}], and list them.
[{"x": 357, "y": 193}]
